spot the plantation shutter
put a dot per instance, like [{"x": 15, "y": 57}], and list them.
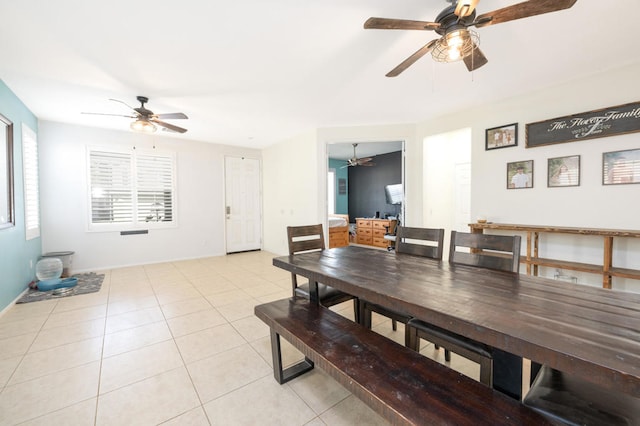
[
  {"x": 111, "y": 187},
  {"x": 31, "y": 183},
  {"x": 155, "y": 193},
  {"x": 132, "y": 190}
]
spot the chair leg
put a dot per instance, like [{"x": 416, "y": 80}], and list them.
[
  {"x": 394, "y": 325},
  {"x": 411, "y": 339},
  {"x": 356, "y": 310},
  {"x": 447, "y": 355},
  {"x": 486, "y": 371},
  {"x": 365, "y": 315}
]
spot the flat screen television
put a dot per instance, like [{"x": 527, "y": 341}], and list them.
[{"x": 394, "y": 193}]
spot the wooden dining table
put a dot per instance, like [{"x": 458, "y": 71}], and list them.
[{"x": 589, "y": 332}]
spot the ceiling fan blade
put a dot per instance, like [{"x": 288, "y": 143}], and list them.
[
  {"x": 475, "y": 60},
  {"x": 171, "y": 116},
  {"x": 399, "y": 24},
  {"x": 522, "y": 10},
  {"x": 167, "y": 126},
  {"x": 465, "y": 7},
  {"x": 411, "y": 59},
  {"x": 123, "y": 103},
  {"x": 113, "y": 115},
  {"x": 368, "y": 164},
  {"x": 364, "y": 160}
]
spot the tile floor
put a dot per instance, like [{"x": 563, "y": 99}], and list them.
[{"x": 174, "y": 344}]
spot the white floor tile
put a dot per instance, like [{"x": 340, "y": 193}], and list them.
[
  {"x": 206, "y": 343},
  {"x": 35, "y": 398},
  {"x": 227, "y": 371},
  {"x": 148, "y": 402},
  {"x": 270, "y": 404},
  {"x": 130, "y": 367}
]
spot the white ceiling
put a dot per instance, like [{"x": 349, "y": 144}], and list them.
[{"x": 254, "y": 72}]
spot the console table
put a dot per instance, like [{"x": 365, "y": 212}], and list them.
[{"x": 533, "y": 260}]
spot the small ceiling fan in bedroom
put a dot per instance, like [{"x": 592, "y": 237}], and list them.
[
  {"x": 146, "y": 120},
  {"x": 355, "y": 161},
  {"x": 458, "y": 41}
]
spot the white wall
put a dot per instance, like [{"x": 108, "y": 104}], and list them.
[
  {"x": 292, "y": 189},
  {"x": 589, "y": 205},
  {"x": 441, "y": 155},
  {"x": 63, "y": 189}
]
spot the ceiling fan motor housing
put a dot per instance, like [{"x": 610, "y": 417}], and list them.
[
  {"x": 142, "y": 110},
  {"x": 449, "y": 21}
]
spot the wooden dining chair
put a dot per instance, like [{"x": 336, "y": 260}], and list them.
[
  {"x": 423, "y": 242},
  {"x": 568, "y": 400},
  {"x": 499, "y": 252},
  {"x": 309, "y": 238}
]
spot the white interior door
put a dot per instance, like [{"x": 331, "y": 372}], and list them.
[{"x": 242, "y": 204}]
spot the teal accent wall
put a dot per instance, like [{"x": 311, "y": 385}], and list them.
[
  {"x": 15, "y": 252},
  {"x": 342, "y": 201}
]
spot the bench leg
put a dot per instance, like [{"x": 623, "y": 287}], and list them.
[{"x": 284, "y": 375}]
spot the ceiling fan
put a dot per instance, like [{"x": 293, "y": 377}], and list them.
[
  {"x": 146, "y": 120},
  {"x": 355, "y": 161},
  {"x": 457, "y": 41}
]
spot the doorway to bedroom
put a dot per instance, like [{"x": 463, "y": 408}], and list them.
[{"x": 359, "y": 177}]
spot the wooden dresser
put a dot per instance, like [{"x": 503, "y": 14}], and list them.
[{"x": 371, "y": 231}]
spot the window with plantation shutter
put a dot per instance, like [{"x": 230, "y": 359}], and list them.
[
  {"x": 155, "y": 188},
  {"x": 31, "y": 183},
  {"x": 131, "y": 190}
]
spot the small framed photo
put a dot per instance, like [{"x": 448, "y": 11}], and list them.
[
  {"x": 520, "y": 174},
  {"x": 501, "y": 137},
  {"x": 621, "y": 167},
  {"x": 563, "y": 171}
]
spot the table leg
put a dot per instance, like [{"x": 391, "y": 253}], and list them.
[
  {"x": 313, "y": 292},
  {"x": 507, "y": 373},
  {"x": 607, "y": 262}
]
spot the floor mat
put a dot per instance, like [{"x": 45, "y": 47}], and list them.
[{"x": 88, "y": 282}]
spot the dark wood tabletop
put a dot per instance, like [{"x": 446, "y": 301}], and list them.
[{"x": 591, "y": 332}]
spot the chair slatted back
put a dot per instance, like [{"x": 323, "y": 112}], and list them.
[
  {"x": 403, "y": 244},
  {"x": 500, "y": 252},
  {"x": 305, "y": 238},
  {"x": 302, "y": 239}
]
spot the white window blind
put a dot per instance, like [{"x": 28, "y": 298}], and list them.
[
  {"x": 31, "y": 183},
  {"x": 131, "y": 190}
]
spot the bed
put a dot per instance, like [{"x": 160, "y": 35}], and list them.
[{"x": 338, "y": 230}]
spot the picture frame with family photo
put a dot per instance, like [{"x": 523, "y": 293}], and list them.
[{"x": 520, "y": 174}]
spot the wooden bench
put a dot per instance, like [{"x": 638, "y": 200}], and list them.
[{"x": 401, "y": 385}]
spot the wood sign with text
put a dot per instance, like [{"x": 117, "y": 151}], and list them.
[{"x": 587, "y": 125}]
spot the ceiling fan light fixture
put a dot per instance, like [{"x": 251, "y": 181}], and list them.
[
  {"x": 143, "y": 125},
  {"x": 455, "y": 45}
]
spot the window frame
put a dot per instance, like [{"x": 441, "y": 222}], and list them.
[{"x": 134, "y": 156}]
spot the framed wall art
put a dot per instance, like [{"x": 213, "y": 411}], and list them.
[
  {"x": 617, "y": 120},
  {"x": 520, "y": 174},
  {"x": 621, "y": 167},
  {"x": 501, "y": 137},
  {"x": 563, "y": 171}
]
